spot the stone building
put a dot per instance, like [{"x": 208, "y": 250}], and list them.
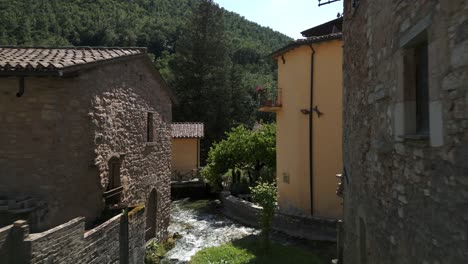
[
  {"x": 405, "y": 131},
  {"x": 84, "y": 132}
]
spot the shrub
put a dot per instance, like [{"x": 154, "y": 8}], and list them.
[
  {"x": 155, "y": 251},
  {"x": 265, "y": 195}
]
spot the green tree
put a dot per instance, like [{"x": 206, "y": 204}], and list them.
[
  {"x": 200, "y": 72},
  {"x": 252, "y": 153}
]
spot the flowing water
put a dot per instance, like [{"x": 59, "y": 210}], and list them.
[{"x": 200, "y": 226}]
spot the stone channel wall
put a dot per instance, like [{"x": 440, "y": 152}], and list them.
[
  {"x": 405, "y": 196},
  {"x": 309, "y": 228},
  {"x": 119, "y": 240}
]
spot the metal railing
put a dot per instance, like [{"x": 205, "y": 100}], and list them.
[
  {"x": 270, "y": 98},
  {"x": 186, "y": 176}
]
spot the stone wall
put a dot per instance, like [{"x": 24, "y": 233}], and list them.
[
  {"x": 311, "y": 228},
  {"x": 47, "y": 148},
  {"x": 58, "y": 137},
  {"x": 69, "y": 243},
  {"x": 119, "y": 110},
  {"x": 6, "y": 243},
  {"x": 405, "y": 199}
]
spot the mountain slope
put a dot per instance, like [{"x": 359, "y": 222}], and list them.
[{"x": 156, "y": 24}]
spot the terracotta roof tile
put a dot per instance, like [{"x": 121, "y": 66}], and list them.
[
  {"x": 305, "y": 41},
  {"x": 187, "y": 130},
  {"x": 325, "y": 28},
  {"x": 42, "y": 58}
]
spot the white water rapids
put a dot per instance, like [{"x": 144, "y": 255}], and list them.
[{"x": 200, "y": 229}]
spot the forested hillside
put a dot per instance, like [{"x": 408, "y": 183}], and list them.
[
  {"x": 213, "y": 59},
  {"x": 156, "y": 24}
]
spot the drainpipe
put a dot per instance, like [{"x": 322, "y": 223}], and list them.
[
  {"x": 311, "y": 143},
  {"x": 198, "y": 153},
  {"x": 21, "y": 87}
]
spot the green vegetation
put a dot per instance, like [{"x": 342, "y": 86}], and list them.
[
  {"x": 213, "y": 80},
  {"x": 156, "y": 24},
  {"x": 212, "y": 58},
  {"x": 265, "y": 195},
  {"x": 226, "y": 253},
  {"x": 243, "y": 154},
  {"x": 248, "y": 250},
  {"x": 155, "y": 251},
  {"x": 200, "y": 71}
]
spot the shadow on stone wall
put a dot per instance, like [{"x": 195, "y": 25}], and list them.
[{"x": 308, "y": 228}]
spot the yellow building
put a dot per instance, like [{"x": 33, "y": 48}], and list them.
[
  {"x": 309, "y": 115},
  {"x": 186, "y": 149}
]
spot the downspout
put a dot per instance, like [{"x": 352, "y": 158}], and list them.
[
  {"x": 21, "y": 87},
  {"x": 311, "y": 143},
  {"x": 198, "y": 153}
]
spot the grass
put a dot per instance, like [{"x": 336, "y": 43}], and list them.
[{"x": 249, "y": 250}]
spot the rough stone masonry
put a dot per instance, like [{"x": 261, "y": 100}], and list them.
[
  {"x": 405, "y": 192},
  {"x": 58, "y": 138}
]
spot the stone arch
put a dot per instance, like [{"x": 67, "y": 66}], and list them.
[{"x": 151, "y": 215}]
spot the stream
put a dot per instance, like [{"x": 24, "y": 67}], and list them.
[{"x": 201, "y": 226}]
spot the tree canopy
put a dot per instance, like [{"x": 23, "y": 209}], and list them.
[
  {"x": 156, "y": 24},
  {"x": 243, "y": 151}
]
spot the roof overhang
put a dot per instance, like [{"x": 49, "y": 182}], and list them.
[
  {"x": 325, "y": 28},
  {"x": 74, "y": 70},
  {"x": 307, "y": 42}
]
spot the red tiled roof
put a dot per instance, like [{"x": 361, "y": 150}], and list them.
[
  {"x": 325, "y": 28},
  {"x": 32, "y": 59},
  {"x": 305, "y": 41},
  {"x": 187, "y": 130}
]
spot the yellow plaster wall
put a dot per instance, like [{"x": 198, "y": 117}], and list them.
[
  {"x": 184, "y": 154},
  {"x": 293, "y": 130}
]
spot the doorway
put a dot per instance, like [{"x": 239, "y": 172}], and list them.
[{"x": 151, "y": 211}]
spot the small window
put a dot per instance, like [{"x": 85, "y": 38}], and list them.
[
  {"x": 422, "y": 89},
  {"x": 415, "y": 112},
  {"x": 114, "y": 188},
  {"x": 149, "y": 128},
  {"x": 114, "y": 173}
]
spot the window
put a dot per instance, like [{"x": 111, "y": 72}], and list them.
[
  {"x": 418, "y": 111},
  {"x": 149, "y": 128},
  {"x": 413, "y": 107},
  {"x": 114, "y": 173},
  {"x": 114, "y": 188},
  {"x": 422, "y": 89}
]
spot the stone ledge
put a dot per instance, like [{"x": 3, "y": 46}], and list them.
[
  {"x": 63, "y": 227},
  {"x": 113, "y": 221},
  {"x": 309, "y": 228}
]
